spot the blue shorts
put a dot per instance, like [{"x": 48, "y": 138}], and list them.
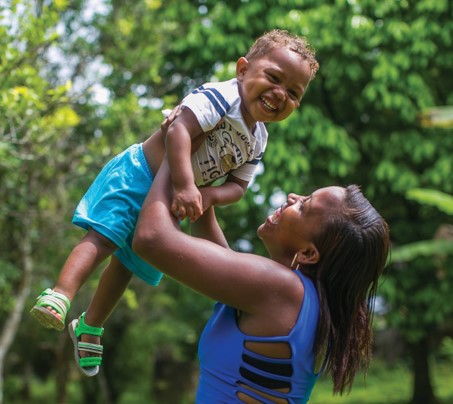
[{"x": 112, "y": 204}]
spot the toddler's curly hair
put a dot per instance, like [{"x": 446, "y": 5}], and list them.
[{"x": 279, "y": 38}]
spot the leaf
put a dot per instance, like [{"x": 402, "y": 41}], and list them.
[
  {"x": 432, "y": 197},
  {"x": 428, "y": 248}
]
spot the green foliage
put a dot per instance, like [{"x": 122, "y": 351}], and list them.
[
  {"x": 36, "y": 119},
  {"x": 447, "y": 347},
  {"x": 381, "y": 63},
  {"x": 9, "y": 276},
  {"x": 432, "y": 197},
  {"x": 385, "y": 384},
  {"x": 414, "y": 250},
  {"x": 433, "y": 305}
]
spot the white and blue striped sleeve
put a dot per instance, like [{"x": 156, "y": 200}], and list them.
[{"x": 208, "y": 104}]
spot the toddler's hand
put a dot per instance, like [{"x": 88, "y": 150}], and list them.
[{"x": 187, "y": 202}]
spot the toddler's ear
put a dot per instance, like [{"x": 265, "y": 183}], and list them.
[{"x": 241, "y": 67}]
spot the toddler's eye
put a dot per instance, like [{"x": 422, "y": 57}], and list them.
[
  {"x": 272, "y": 78},
  {"x": 293, "y": 96}
]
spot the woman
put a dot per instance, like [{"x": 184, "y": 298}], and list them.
[{"x": 279, "y": 320}]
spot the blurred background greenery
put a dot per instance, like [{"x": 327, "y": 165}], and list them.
[{"x": 83, "y": 79}]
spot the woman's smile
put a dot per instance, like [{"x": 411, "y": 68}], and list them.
[{"x": 275, "y": 217}]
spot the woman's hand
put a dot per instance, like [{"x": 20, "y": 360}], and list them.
[{"x": 170, "y": 115}]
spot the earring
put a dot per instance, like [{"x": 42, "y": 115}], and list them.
[{"x": 294, "y": 261}]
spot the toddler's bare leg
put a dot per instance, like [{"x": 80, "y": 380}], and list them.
[
  {"x": 114, "y": 281},
  {"x": 81, "y": 263},
  {"x": 52, "y": 305}
]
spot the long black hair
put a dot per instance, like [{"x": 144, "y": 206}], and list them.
[{"x": 353, "y": 244}]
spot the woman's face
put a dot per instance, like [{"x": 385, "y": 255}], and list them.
[{"x": 293, "y": 225}]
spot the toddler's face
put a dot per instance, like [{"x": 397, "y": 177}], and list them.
[{"x": 272, "y": 86}]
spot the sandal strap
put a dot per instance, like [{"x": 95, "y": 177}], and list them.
[
  {"x": 83, "y": 328},
  {"x": 59, "y": 302},
  {"x": 90, "y": 361},
  {"x": 92, "y": 348}
]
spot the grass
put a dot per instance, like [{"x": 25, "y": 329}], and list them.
[
  {"x": 386, "y": 386},
  {"x": 383, "y": 385}
]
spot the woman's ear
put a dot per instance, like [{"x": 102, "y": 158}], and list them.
[
  {"x": 241, "y": 67},
  {"x": 309, "y": 255}
]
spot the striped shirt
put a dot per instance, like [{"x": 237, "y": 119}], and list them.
[{"x": 230, "y": 148}]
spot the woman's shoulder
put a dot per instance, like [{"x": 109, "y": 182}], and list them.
[
  {"x": 276, "y": 315},
  {"x": 280, "y": 295}
]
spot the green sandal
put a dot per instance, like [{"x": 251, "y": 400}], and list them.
[
  {"x": 88, "y": 365},
  {"x": 59, "y": 302}
]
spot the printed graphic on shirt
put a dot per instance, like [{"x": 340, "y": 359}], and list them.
[{"x": 225, "y": 150}]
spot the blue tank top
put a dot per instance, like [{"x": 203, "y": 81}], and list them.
[{"x": 226, "y": 364}]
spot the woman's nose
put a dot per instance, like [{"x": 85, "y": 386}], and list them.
[{"x": 292, "y": 198}]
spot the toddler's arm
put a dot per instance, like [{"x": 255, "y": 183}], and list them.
[
  {"x": 187, "y": 201},
  {"x": 232, "y": 190}
]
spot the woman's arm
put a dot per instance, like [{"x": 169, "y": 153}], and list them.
[
  {"x": 248, "y": 282},
  {"x": 207, "y": 226}
]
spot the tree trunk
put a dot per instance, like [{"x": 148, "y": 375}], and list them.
[
  {"x": 422, "y": 389},
  {"x": 14, "y": 318},
  {"x": 173, "y": 379},
  {"x": 64, "y": 351}
]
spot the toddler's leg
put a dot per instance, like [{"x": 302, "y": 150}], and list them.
[
  {"x": 52, "y": 305},
  {"x": 83, "y": 260},
  {"x": 113, "y": 283}
]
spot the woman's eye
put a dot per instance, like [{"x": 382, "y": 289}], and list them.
[{"x": 301, "y": 207}]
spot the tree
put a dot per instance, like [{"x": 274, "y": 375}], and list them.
[
  {"x": 36, "y": 120},
  {"x": 436, "y": 303},
  {"x": 381, "y": 63}
]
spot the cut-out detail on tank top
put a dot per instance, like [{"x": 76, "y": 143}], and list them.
[
  {"x": 266, "y": 372},
  {"x": 254, "y": 396},
  {"x": 283, "y": 369}
]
